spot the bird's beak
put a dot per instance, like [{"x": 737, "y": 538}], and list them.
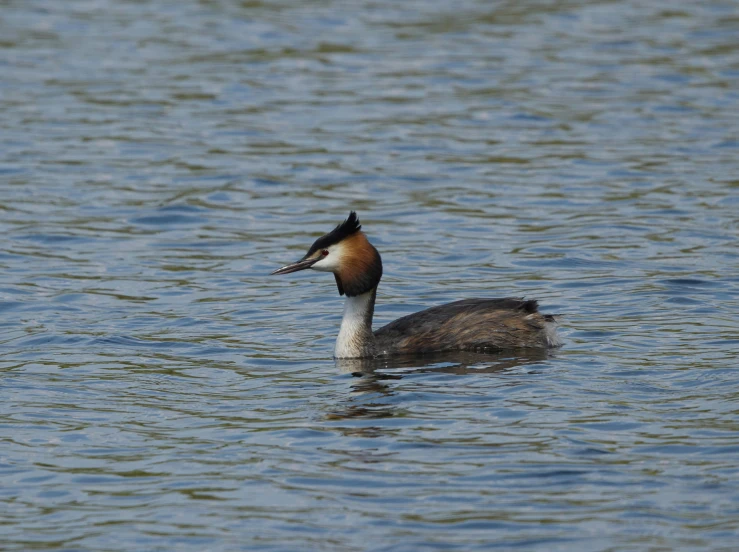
[{"x": 300, "y": 265}]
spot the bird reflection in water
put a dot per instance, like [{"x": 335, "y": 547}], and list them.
[{"x": 373, "y": 381}]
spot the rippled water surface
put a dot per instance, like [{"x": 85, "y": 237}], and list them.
[{"x": 160, "y": 392}]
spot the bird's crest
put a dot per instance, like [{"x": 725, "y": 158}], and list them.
[{"x": 350, "y": 226}]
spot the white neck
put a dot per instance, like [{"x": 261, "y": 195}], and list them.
[{"x": 355, "y": 336}]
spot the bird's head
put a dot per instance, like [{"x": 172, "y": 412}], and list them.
[{"x": 347, "y": 253}]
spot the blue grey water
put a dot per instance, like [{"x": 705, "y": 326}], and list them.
[{"x": 158, "y": 391}]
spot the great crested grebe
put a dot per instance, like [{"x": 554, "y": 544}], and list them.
[{"x": 479, "y": 325}]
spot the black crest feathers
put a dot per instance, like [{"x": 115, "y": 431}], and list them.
[{"x": 350, "y": 226}]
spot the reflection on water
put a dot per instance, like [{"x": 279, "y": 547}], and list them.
[
  {"x": 460, "y": 363},
  {"x": 375, "y": 376},
  {"x": 160, "y": 392}
]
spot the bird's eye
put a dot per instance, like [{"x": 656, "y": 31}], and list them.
[{"x": 324, "y": 252}]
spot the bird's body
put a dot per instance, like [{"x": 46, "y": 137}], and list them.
[{"x": 479, "y": 325}]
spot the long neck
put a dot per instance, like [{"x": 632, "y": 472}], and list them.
[{"x": 355, "y": 336}]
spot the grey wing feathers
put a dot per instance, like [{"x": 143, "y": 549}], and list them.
[{"x": 469, "y": 325}]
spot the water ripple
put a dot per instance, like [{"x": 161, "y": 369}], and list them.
[{"x": 160, "y": 159}]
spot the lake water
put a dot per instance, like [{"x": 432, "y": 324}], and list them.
[{"x": 160, "y": 392}]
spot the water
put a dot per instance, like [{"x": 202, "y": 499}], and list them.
[{"x": 160, "y": 392}]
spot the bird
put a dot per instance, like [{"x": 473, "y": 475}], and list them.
[{"x": 474, "y": 325}]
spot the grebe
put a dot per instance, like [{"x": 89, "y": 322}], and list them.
[{"x": 479, "y": 325}]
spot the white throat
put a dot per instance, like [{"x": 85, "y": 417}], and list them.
[{"x": 355, "y": 336}]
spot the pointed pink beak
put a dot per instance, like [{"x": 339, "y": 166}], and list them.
[{"x": 300, "y": 265}]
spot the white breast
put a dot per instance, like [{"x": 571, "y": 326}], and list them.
[{"x": 355, "y": 336}]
